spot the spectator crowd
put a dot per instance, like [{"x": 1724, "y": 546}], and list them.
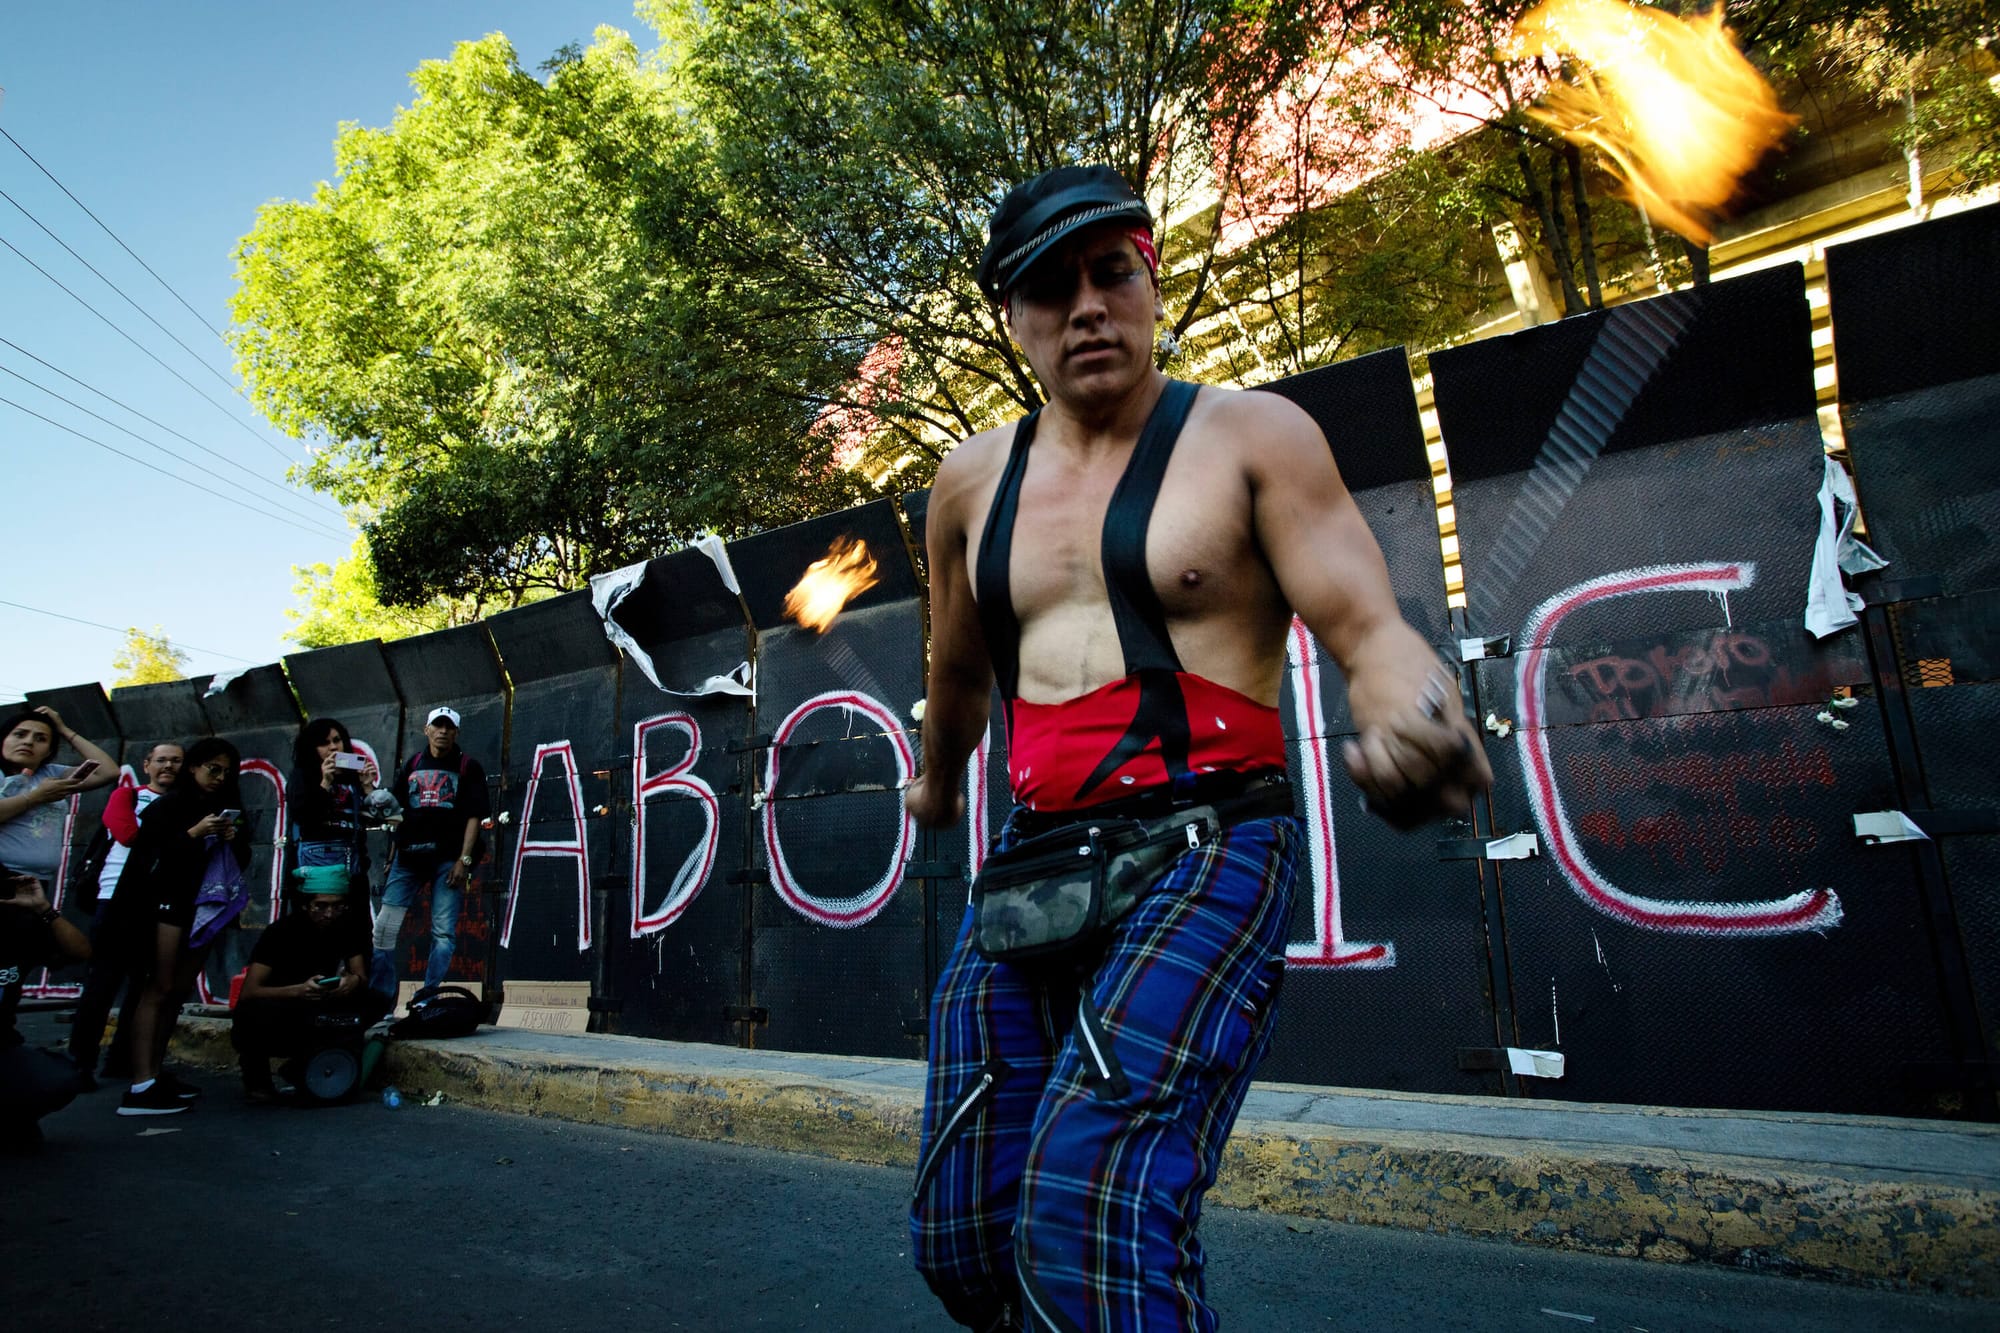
[{"x": 164, "y": 879}]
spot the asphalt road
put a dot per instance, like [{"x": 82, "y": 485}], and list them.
[{"x": 434, "y": 1218}]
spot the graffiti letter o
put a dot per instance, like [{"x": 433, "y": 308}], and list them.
[{"x": 864, "y": 906}]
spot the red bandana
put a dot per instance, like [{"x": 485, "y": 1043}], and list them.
[{"x": 1143, "y": 238}]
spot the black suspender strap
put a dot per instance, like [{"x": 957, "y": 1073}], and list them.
[
  {"x": 1135, "y": 606},
  {"x": 991, "y": 580}
]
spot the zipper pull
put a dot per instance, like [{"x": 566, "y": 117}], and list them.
[{"x": 1194, "y": 835}]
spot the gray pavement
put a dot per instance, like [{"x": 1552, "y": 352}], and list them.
[
  {"x": 1913, "y": 1202},
  {"x": 448, "y": 1217}
]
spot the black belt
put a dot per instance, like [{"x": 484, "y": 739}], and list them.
[{"x": 1237, "y": 798}]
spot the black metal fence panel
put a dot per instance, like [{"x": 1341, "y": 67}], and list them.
[
  {"x": 1717, "y": 460},
  {"x": 1700, "y": 901},
  {"x": 1387, "y": 970},
  {"x": 562, "y": 780},
  {"x": 1702, "y": 928},
  {"x": 838, "y": 948},
  {"x": 1917, "y": 345},
  {"x": 1948, "y": 659},
  {"x": 676, "y": 931},
  {"x": 150, "y": 713}
]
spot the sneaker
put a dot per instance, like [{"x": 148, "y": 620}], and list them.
[
  {"x": 180, "y": 1087},
  {"x": 156, "y": 1100}
]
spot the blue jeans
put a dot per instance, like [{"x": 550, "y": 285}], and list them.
[{"x": 397, "y": 895}]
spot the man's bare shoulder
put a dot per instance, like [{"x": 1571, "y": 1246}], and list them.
[
  {"x": 1256, "y": 414},
  {"x": 1266, "y": 431},
  {"x": 971, "y": 467}
]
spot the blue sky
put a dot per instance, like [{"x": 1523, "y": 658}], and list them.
[{"x": 173, "y": 123}]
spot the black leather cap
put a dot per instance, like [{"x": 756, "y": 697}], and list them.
[{"x": 1038, "y": 213}]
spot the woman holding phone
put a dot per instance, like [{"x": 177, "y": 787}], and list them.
[
  {"x": 329, "y": 781},
  {"x": 34, "y": 790},
  {"x": 182, "y": 836}
]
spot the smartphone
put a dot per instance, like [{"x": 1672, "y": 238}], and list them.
[
  {"x": 230, "y": 816},
  {"x": 84, "y": 770},
  {"x": 353, "y": 763},
  {"x": 327, "y": 983}
]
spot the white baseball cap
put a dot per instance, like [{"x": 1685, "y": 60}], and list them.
[{"x": 441, "y": 712}]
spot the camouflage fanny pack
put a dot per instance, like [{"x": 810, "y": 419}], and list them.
[{"x": 1053, "y": 892}]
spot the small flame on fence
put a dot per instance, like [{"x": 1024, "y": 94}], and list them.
[
  {"x": 845, "y": 572},
  {"x": 1678, "y": 112}
]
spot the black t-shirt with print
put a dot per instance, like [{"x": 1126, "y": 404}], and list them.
[
  {"x": 296, "y": 949},
  {"x": 438, "y": 796}
]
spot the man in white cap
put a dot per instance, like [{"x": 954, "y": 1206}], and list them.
[{"x": 442, "y": 791}]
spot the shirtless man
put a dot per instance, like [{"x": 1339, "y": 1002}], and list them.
[{"x": 1132, "y": 597}]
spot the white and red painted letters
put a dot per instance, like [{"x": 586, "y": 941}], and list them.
[
  {"x": 1813, "y": 909},
  {"x": 566, "y": 848},
  {"x": 1329, "y": 947},
  {"x": 676, "y": 779},
  {"x": 864, "y": 906}
]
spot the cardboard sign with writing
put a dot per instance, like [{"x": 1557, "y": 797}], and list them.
[{"x": 547, "y": 1006}]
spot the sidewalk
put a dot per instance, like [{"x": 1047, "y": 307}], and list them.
[{"x": 1852, "y": 1197}]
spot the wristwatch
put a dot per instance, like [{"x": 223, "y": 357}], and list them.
[
  {"x": 465, "y": 860},
  {"x": 49, "y": 917}
]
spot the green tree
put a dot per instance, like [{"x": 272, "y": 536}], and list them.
[
  {"x": 338, "y": 604},
  {"x": 1936, "y": 62},
  {"x": 858, "y": 147},
  {"x": 148, "y": 659},
  {"x": 489, "y": 321}
]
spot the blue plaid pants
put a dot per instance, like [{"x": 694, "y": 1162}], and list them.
[{"x": 1073, "y": 1119}]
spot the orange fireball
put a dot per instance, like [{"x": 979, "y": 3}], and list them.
[
  {"x": 845, "y": 572},
  {"x": 1678, "y": 112}
]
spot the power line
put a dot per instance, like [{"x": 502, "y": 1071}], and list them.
[
  {"x": 98, "y": 624},
  {"x": 147, "y": 350},
  {"x": 112, "y": 234},
  {"x": 123, "y": 295},
  {"x": 150, "y": 444},
  {"x": 222, "y": 457},
  {"x": 228, "y": 499}
]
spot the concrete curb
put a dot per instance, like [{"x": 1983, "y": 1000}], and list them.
[
  {"x": 1665, "y": 1206},
  {"x": 1908, "y": 1225}
]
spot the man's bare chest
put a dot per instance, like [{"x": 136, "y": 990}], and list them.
[{"x": 1200, "y": 555}]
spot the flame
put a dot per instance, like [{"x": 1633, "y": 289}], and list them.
[
  {"x": 845, "y": 572},
  {"x": 1671, "y": 102}
]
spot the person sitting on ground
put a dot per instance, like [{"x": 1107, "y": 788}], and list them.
[
  {"x": 116, "y": 955},
  {"x": 182, "y": 842},
  {"x": 313, "y": 960},
  {"x": 32, "y": 1082}
]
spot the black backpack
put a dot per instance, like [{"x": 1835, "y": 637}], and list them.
[{"x": 440, "y": 1011}]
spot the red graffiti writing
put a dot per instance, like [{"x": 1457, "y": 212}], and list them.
[{"x": 1723, "y": 672}]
